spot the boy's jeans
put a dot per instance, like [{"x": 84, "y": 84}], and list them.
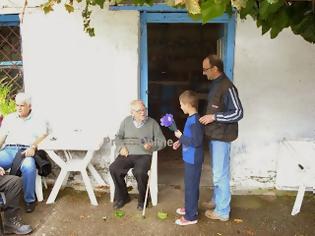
[
  {"x": 220, "y": 152},
  {"x": 28, "y": 169}
]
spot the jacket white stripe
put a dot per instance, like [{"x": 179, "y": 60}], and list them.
[{"x": 237, "y": 109}]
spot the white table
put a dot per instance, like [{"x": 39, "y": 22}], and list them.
[{"x": 66, "y": 143}]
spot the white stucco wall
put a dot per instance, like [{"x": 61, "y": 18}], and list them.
[
  {"x": 79, "y": 82},
  {"x": 275, "y": 78}
]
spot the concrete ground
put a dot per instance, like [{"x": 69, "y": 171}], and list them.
[
  {"x": 264, "y": 215},
  {"x": 72, "y": 215}
]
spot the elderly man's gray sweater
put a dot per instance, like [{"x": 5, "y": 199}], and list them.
[{"x": 134, "y": 138}]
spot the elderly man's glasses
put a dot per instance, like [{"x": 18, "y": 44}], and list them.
[
  {"x": 206, "y": 69},
  {"x": 141, "y": 110}
]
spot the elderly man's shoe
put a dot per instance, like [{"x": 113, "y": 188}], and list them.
[
  {"x": 16, "y": 226},
  {"x": 121, "y": 203},
  {"x": 30, "y": 206},
  {"x": 141, "y": 204}
]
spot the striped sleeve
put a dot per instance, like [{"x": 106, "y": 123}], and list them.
[{"x": 233, "y": 108}]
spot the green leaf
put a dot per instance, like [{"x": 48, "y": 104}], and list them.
[
  {"x": 100, "y": 3},
  {"x": 266, "y": 9},
  {"x": 250, "y": 9},
  {"x": 212, "y": 8},
  {"x": 162, "y": 215},
  {"x": 69, "y": 8},
  {"x": 47, "y": 8},
  {"x": 306, "y": 28},
  {"x": 265, "y": 27},
  {"x": 119, "y": 213},
  {"x": 279, "y": 22},
  {"x": 193, "y": 7}
]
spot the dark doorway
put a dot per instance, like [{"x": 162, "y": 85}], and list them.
[{"x": 175, "y": 53}]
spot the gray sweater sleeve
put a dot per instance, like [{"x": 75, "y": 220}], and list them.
[
  {"x": 120, "y": 136},
  {"x": 159, "y": 139}
]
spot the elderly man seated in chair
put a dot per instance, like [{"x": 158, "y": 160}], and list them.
[
  {"x": 138, "y": 136},
  {"x": 21, "y": 132}
]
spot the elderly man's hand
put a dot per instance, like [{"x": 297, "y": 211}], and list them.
[
  {"x": 29, "y": 152},
  {"x": 147, "y": 146},
  {"x": 176, "y": 145},
  {"x": 207, "y": 119},
  {"x": 124, "y": 152},
  {"x": 2, "y": 171}
]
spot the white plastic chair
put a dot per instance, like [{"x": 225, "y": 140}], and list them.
[
  {"x": 39, "y": 181},
  {"x": 153, "y": 185}
]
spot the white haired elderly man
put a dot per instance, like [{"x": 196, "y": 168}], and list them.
[
  {"x": 22, "y": 131},
  {"x": 138, "y": 136}
]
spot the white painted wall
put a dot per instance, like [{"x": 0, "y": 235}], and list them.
[
  {"x": 77, "y": 81},
  {"x": 276, "y": 81},
  {"x": 80, "y": 82}
]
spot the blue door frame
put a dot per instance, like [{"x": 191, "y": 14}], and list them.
[{"x": 166, "y": 14}]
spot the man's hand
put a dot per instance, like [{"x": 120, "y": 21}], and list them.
[
  {"x": 2, "y": 171},
  {"x": 147, "y": 146},
  {"x": 29, "y": 152},
  {"x": 176, "y": 145},
  {"x": 124, "y": 152},
  {"x": 207, "y": 119},
  {"x": 178, "y": 134}
]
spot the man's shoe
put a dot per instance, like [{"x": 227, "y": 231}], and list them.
[
  {"x": 121, "y": 203},
  {"x": 214, "y": 216},
  {"x": 30, "y": 206},
  {"x": 209, "y": 205},
  {"x": 16, "y": 226},
  {"x": 141, "y": 204}
]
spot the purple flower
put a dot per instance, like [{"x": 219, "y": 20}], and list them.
[{"x": 168, "y": 121}]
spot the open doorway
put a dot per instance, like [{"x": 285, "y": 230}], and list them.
[{"x": 175, "y": 53}]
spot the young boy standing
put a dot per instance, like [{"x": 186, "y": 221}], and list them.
[{"x": 192, "y": 150}]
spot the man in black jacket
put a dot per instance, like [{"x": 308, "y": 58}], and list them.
[
  {"x": 224, "y": 110},
  {"x": 11, "y": 186}
]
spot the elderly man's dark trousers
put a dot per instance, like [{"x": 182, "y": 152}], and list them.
[
  {"x": 119, "y": 169},
  {"x": 12, "y": 187}
]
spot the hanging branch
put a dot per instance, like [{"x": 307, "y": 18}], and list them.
[{"x": 23, "y": 11}]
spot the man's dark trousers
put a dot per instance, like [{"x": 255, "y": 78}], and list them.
[
  {"x": 12, "y": 187},
  {"x": 119, "y": 169}
]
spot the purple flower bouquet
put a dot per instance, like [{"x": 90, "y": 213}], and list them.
[{"x": 168, "y": 121}]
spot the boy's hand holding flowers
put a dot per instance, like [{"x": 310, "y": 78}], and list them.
[{"x": 178, "y": 134}]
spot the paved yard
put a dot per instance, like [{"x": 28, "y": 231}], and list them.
[{"x": 72, "y": 215}]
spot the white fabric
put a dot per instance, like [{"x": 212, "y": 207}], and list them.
[{"x": 22, "y": 130}]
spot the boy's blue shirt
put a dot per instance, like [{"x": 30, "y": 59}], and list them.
[{"x": 192, "y": 140}]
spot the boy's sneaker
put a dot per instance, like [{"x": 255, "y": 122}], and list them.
[
  {"x": 214, "y": 216},
  {"x": 182, "y": 221},
  {"x": 181, "y": 211}
]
